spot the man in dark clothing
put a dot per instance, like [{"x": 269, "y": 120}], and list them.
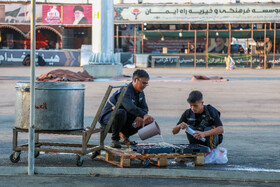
[
  {"x": 204, "y": 119},
  {"x": 133, "y": 109}
]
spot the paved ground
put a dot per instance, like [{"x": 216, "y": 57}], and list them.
[
  {"x": 74, "y": 180},
  {"x": 249, "y": 103}
]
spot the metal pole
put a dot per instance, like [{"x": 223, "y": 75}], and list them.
[
  {"x": 207, "y": 43},
  {"x": 134, "y": 49},
  {"x": 195, "y": 38},
  {"x": 31, "y": 143},
  {"x": 274, "y": 45},
  {"x": 142, "y": 41},
  {"x": 264, "y": 51},
  {"x": 252, "y": 36}
]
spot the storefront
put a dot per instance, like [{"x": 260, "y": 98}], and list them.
[{"x": 191, "y": 31}]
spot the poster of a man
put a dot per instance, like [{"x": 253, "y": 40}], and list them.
[
  {"x": 79, "y": 15},
  {"x": 220, "y": 46}
]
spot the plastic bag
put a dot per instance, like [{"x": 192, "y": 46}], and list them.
[{"x": 216, "y": 156}]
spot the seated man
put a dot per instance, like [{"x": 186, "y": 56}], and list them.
[
  {"x": 204, "y": 119},
  {"x": 133, "y": 109}
]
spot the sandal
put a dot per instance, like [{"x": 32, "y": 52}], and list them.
[{"x": 128, "y": 142}]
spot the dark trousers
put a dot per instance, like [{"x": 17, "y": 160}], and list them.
[
  {"x": 211, "y": 141},
  {"x": 122, "y": 123}
]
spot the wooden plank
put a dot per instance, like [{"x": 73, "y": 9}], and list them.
[
  {"x": 119, "y": 153},
  {"x": 123, "y": 152},
  {"x": 162, "y": 161},
  {"x": 116, "y": 163},
  {"x": 199, "y": 160},
  {"x": 109, "y": 156},
  {"x": 125, "y": 162},
  {"x": 159, "y": 160}
]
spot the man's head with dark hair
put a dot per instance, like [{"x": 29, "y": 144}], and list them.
[
  {"x": 140, "y": 80},
  {"x": 195, "y": 100},
  {"x": 195, "y": 96},
  {"x": 79, "y": 8},
  {"x": 140, "y": 73}
]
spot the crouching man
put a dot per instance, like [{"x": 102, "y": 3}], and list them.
[
  {"x": 133, "y": 109},
  {"x": 204, "y": 119}
]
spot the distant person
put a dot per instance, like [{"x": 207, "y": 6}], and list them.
[
  {"x": 79, "y": 15},
  {"x": 241, "y": 50},
  {"x": 220, "y": 46},
  {"x": 199, "y": 49},
  {"x": 183, "y": 49},
  {"x": 264, "y": 50},
  {"x": 268, "y": 44},
  {"x": 192, "y": 48},
  {"x": 204, "y": 119}
]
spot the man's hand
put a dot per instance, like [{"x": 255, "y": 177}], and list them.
[
  {"x": 199, "y": 135},
  {"x": 139, "y": 122},
  {"x": 183, "y": 125},
  {"x": 177, "y": 129},
  {"x": 148, "y": 119}
]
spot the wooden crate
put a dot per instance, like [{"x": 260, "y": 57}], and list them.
[{"x": 122, "y": 157}]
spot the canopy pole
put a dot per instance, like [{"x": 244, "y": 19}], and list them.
[
  {"x": 134, "y": 39},
  {"x": 142, "y": 40},
  {"x": 207, "y": 43},
  {"x": 264, "y": 51},
  {"x": 229, "y": 38},
  {"x": 274, "y": 45},
  {"x": 31, "y": 143},
  {"x": 252, "y": 36},
  {"x": 117, "y": 39}
]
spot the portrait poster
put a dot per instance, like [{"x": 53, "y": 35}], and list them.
[{"x": 77, "y": 14}]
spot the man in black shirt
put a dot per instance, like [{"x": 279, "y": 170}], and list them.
[
  {"x": 133, "y": 109},
  {"x": 204, "y": 119}
]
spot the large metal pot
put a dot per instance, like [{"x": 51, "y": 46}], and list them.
[{"x": 58, "y": 106}]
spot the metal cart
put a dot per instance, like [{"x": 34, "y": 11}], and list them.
[{"x": 79, "y": 149}]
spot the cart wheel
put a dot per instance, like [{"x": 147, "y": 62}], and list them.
[
  {"x": 79, "y": 160},
  {"x": 15, "y": 157},
  {"x": 95, "y": 154},
  {"x": 36, "y": 154},
  {"x": 146, "y": 162}
]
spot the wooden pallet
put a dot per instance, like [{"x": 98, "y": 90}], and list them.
[{"x": 122, "y": 157}]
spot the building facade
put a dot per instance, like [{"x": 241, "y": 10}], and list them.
[{"x": 185, "y": 34}]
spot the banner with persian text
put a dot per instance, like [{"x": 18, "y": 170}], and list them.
[{"x": 197, "y": 13}]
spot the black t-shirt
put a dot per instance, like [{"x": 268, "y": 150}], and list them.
[{"x": 195, "y": 119}]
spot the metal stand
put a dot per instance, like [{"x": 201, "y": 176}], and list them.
[{"x": 80, "y": 149}]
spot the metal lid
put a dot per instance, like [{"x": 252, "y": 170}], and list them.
[{"x": 51, "y": 86}]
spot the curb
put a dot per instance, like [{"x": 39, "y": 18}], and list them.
[{"x": 150, "y": 173}]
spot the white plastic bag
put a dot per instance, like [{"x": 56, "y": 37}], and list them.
[{"x": 216, "y": 156}]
